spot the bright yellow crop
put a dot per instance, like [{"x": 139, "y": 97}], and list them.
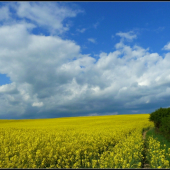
[
  {"x": 127, "y": 153},
  {"x": 81, "y": 142}
]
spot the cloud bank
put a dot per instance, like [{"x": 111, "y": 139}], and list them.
[{"x": 51, "y": 78}]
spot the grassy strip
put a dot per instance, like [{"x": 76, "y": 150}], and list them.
[
  {"x": 159, "y": 137},
  {"x": 157, "y": 150}
]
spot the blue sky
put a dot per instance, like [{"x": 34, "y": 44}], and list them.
[{"x": 62, "y": 59}]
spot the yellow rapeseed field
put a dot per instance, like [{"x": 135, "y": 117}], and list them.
[{"x": 78, "y": 142}]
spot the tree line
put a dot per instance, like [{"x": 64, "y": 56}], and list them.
[{"x": 161, "y": 119}]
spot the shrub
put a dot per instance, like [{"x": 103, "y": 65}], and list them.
[
  {"x": 157, "y": 116},
  {"x": 165, "y": 127}
]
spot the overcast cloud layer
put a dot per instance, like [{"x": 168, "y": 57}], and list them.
[{"x": 52, "y": 78}]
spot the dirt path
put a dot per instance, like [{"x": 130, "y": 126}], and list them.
[
  {"x": 145, "y": 166},
  {"x": 144, "y": 134}
]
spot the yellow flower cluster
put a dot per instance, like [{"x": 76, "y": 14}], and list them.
[
  {"x": 126, "y": 154},
  {"x": 157, "y": 156},
  {"x": 77, "y": 142}
]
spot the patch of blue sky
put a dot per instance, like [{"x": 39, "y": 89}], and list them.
[
  {"x": 40, "y": 31},
  {"x": 122, "y": 18},
  {"x": 4, "y": 79}
]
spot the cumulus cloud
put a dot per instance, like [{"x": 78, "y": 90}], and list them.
[
  {"x": 92, "y": 40},
  {"x": 128, "y": 35},
  {"x": 7, "y": 88},
  {"x": 51, "y": 78},
  {"x": 49, "y": 15},
  {"x": 166, "y": 47}
]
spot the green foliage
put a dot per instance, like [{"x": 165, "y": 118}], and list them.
[
  {"x": 159, "y": 137},
  {"x": 157, "y": 150},
  {"x": 161, "y": 119},
  {"x": 165, "y": 127},
  {"x": 157, "y": 116}
]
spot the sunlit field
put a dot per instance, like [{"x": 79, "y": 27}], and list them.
[{"x": 78, "y": 142}]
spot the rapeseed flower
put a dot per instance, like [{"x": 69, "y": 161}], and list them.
[{"x": 77, "y": 143}]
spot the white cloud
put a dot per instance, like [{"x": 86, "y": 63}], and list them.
[
  {"x": 92, "y": 40},
  {"x": 58, "y": 84},
  {"x": 166, "y": 47},
  {"x": 96, "y": 89},
  {"x": 37, "y": 104},
  {"x": 47, "y": 14},
  {"x": 7, "y": 88},
  {"x": 14, "y": 36},
  {"x": 128, "y": 35}
]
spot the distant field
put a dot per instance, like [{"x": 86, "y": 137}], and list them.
[{"x": 78, "y": 142}]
